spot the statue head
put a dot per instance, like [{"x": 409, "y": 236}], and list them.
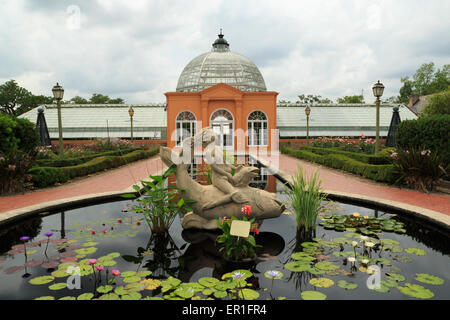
[{"x": 245, "y": 174}]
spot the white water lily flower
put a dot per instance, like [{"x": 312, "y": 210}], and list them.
[
  {"x": 364, "y": 238},
  {"x": 273, "y": 273},
  {"x": 369, "y": 244},
  {"x": 354, "y": 244},
  {"x": 365, "y": 261},
  {"x": 238, "y": 275},
  {"x": 351, "y": 259}
]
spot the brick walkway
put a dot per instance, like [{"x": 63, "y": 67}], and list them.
[
  {"x": 335, "y": 180},
  {"x": 116, "y": 180},
  {"x": 120, "y": 179}
]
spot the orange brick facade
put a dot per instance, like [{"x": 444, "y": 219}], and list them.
[{"x": 222, "y": 97}]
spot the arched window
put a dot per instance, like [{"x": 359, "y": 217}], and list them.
[
  {"x": 257, "y": 129},
  {"x": 186, "y": 126},
  {"x": 222, "y": 123}
]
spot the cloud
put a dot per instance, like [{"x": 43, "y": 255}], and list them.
[{"x": 137, "y": 49}]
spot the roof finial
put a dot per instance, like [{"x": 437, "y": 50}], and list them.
[{"x": 220, "y": 34}]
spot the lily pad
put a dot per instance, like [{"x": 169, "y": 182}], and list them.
[
  {"x": 416, "y": 251},
  {"x": 109, "y": 296},
  {"x": 219, "y": 294},
  {"x": 347, "y": 285},
  {"x": 326, "y": 266},
  {"x": 86, "y": 251},
  {"x": 209, "y": 282},
  {"x": 302, "y": 256},
  {"x": 132, "y": 279},
  {"x": 297, "y": 266},
  {"x": 416, "y": 291},
  {"x": 427, "y": 278},
  {"x": 45, "y": 298},
  {"x": 85, "y": 296},
  {"x": 132, "y": 296},
  {"x": 313, "y": 295},
  {"x": 321, "y": 282},
  {"x": 152, "y": 284},
  {"x": 248, "y": 294},
  {"x": 58, "y": 286},
  {"x": 105, "y": 289},
  {"x": 185, "y": 292},
  {"x": 68, "y": 298},
  {"x": 41, "y": 280},
  {"x": 395, "y": 276},
  {"x": 128, "y": 274}
]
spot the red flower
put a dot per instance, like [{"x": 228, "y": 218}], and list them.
[
  {"x": 138, "y": 223},
  {"x": 246, "y": 209},
  {"x": 93, "y": 232},
  {"x": 104, "y": 231},
  {"x": 119, "y": 221},
  {"x": 255, "y": 229}
]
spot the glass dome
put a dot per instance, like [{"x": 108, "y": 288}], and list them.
[{"x": 221, "y": 65}]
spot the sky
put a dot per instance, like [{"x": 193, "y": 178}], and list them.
[{"x": 137, "y": 49}]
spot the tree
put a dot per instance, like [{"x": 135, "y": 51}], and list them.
[
  {"x": 352, "y": 99},
  {"x": 438, "y": 104},
  {"x": 392, "y": 99},
  {"x": 78, "y": 100},
  {"x": 102, "y": 99},
  {"x": 310, "y": 99},
  {"x": 425, "y": 81},
  {"x": 32, "y": 102},
  {"x": 12, "y": 96}
]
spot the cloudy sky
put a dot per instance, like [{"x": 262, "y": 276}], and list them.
[{"x": 137, "y": 49}]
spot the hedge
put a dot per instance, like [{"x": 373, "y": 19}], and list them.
[
  {"x": 431, "y": 132},
  {"x": 17, "y": 134},
  {"x": 362, "y": 157},
  {"x": 46, "y": 176},
  {"x": 67, "y": 162},
  {"x": 381, "y": 173}
]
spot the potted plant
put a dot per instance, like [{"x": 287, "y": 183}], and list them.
[{"x": 237, "y": 250}]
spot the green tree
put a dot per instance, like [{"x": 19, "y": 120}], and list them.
[
  {"x": 310, "y": 98},
  {"x": 78, "y": 100},
  {"x": 438, "y": 104},
  {"x": 98, "y": 98},
  {"x": 32, "y": 102},
  {"x": 12, "y": 96},
  {"x": 351, "y": 99},
  {"x": 426, "y": 80}
]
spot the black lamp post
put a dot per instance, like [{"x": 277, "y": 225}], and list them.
[
  {"x": 378, "y": 89},
  {"x": 307, "y": 112},
  {"x": 58, "y": 94}
]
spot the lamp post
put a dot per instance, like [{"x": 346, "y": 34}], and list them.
[
  {"x": 307, "y": 112},
  {"x": 378, "y": 89},
  {"x": 131, "y": 113},
  {"x": 58, "y": 93}
]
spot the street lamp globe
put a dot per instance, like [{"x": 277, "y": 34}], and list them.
[
  {"x": 307, "y": 110},
  {"x": 131, "y": 112},
  {"x": 58, "y": 92},
  {"x": 378, "y": 89}
]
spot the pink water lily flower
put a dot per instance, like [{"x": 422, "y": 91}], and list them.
[
  {"x": 100, "y": 268},
  {"x": 115, "y": 272},
  {"x": 92, "y": 261}
]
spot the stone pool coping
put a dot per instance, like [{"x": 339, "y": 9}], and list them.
[{"x": 435, "y": 217}]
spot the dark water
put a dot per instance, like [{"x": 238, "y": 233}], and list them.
[{"x": 190, "y": 255}]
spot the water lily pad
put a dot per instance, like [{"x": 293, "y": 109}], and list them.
[
  {"x": 248, "y": 294},
  {"x": 41, "y": 280},
  {"x": 67, "y": 298},
  {"x": 143, "y": 273},
  {"x": 208, "y": 291},
  {"x": 209, "y": 282},
  {"x": 241, "y": 272},
  {"x": 219, "y": 294},
  {"x": 416, "y": 291},
  {"x": 86, "y": 251},
  {"x": 321, "y": 282},
  {"x": 313, "y": 295},
  {"x": 114, "y": 255},
  {"x": 58, "y": 286},
  {"x": 13, "y": 269},
  {"x": 416, "y": 251},
  {"x": 132, "y": 296},
  {"x": 128, "y": 274},
  {"x": 109, "y": 296},
  {"x": 395, "y": 276},
  {"x": 135, "y": 286},
  {"x": 131, "y": 279},
  {"x": 427, "y": 278},
  {"x": 152, "y": 284},
  {"x": 381, "y": 288},
  {"x": 302, "y": 256},
  {"x": 45, "y": 298},
  {"x": 185, "y": 292},
  {"x": 33, "y": 263},
  {"x": 347, "y": 285},
  {"x": 326, "y": 266},
  {"x": 297, "y": 266},
  {"x": 105, "y": 289},
  {"x": 109, "y": 263},
  {"x": 59, "y": 273},
  {"x": 85, "y": 296}
]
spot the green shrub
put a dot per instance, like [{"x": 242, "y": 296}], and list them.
[
  {"x": 46, "y": 176},
  {"x": 438, "y": 104},
  {"x": 431, "y": 133},
  {"x": 13, "y": 168},
  {"x": 381, "y": 173},
  {"x": 66, "y": 162},
  {"x": 362, "y": 157}
]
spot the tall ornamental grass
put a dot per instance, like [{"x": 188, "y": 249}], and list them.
[{"x": 306, "y": 196}]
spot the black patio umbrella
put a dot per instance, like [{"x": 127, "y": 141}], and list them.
[{"x": 41, "y": 125}]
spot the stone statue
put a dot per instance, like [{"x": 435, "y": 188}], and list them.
[{"x": 227, "y": 194}]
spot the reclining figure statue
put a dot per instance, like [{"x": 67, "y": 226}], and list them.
[{"x": 227, "y": 194}]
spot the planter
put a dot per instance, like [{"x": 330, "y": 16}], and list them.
[{"x": 246, "y": 263}]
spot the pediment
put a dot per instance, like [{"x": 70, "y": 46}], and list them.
[{"x": 221, "y": 91}]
